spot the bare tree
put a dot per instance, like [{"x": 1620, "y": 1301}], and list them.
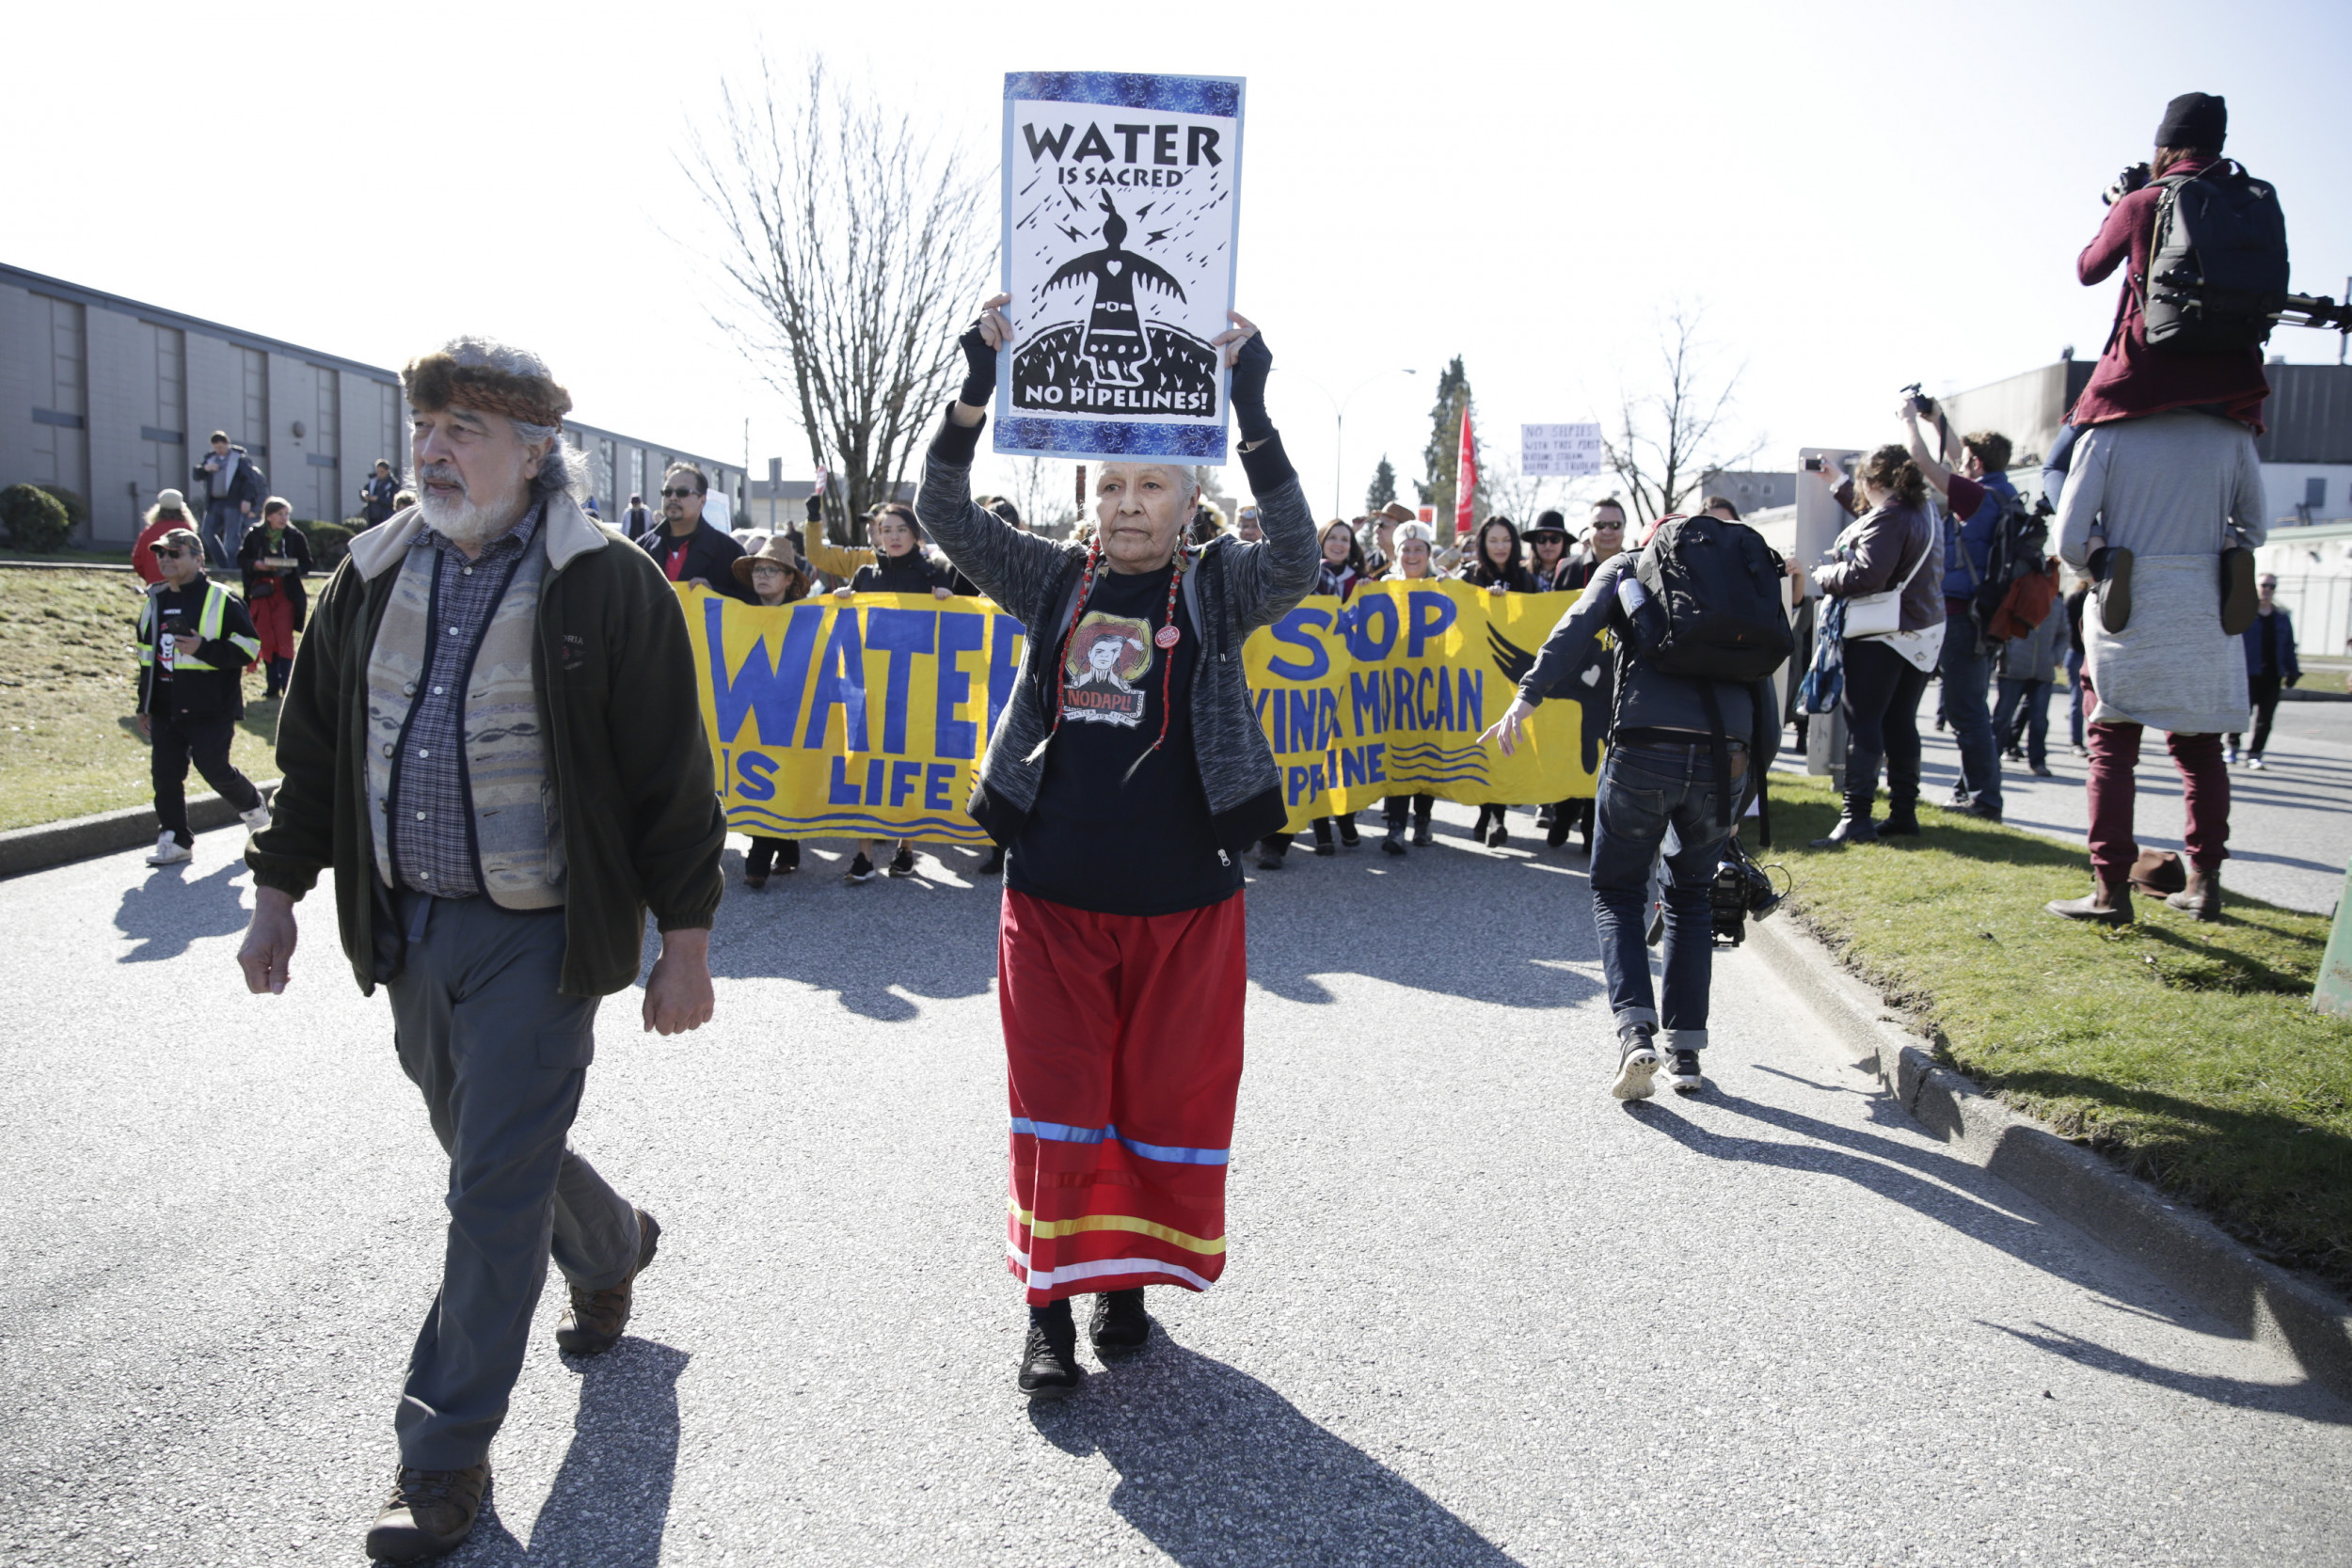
[
  {"x": 851, "y": 246},
  {"x": 1041, "y": 488},
  {"x": 1522, "y": 496},
  {"x": 1666, "y": 440}
]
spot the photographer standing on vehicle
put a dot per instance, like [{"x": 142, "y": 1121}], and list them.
[
  {"x": 2163, "y": 504},
  {"x": 1970, "y": 479}
]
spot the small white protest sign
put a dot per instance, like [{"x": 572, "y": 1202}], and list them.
[{"x": 1558, "y": 450}]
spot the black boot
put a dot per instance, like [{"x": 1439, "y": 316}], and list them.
[
  {"x": 1853, "y": 825},
  {"x": 1049, "y": 1361},
  {"x": 1119, "y": 1324},
  {"x": 1902, "y": 818}
]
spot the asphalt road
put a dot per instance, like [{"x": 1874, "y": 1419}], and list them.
[
  {"x": 2289, "y": 828},
  {"x": 1477, "y": 1313}
]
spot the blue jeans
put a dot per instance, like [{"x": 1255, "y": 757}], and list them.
[
  {"x": 2036, "y": 696},
  {"x": 1643, "y": 791},
  {"x": 1967, "y": 679},
  {"x": 224, "y": 532}
]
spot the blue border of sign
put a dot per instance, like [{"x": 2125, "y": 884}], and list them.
[{"x": 1028, "y": 435}]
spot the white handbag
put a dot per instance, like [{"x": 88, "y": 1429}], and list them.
[{"x": 1869, "y": 616}]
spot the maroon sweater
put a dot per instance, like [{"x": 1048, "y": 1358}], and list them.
[{"x": 2132, "y": 379}]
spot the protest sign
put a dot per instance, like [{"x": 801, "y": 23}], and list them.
[
  {"x": 1558, "y": 450},
  {"x": 866, "y": 716},
  {"x": 1121, "y": 198},
  {"x": 1387, "y": 694}
]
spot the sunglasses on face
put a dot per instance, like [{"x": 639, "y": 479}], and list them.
[
  {"x": 169, "y": 555},
  {"x": 681, "y": 494}
]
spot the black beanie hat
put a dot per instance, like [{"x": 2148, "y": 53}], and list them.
[{"x": 2194, "y": 119}]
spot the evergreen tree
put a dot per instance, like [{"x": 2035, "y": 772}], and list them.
[
  {"x": 1443, "y": 452},
  {"x": 1383, "y": 489}
]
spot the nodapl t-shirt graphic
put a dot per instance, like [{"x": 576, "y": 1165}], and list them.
[
  {"x": 1104, "y": 670},
  {"x": 1119, "y": 202}
]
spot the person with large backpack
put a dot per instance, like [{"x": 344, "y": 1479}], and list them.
[
  {"x": 1700, "y": 631},
  {"x": 2163, "y": 505},
  {"x": 2206, "y": 247}
]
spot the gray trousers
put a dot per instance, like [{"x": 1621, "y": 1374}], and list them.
[{"x": 501, "y": 1057}]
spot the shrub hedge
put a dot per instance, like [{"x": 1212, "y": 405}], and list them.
[{"x": 34, "y": 519}]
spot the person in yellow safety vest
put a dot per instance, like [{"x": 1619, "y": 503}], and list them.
[{"x": 195, "y": 640}]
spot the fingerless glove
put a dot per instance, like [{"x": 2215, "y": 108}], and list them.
[
  {"x": 979, "y": 370},
  {"x": 1249, "y": 390}
]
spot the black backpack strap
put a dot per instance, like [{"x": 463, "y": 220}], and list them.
[
  {"x": 1721, "y": 744},
  {"x": 1760, "y": 734}
]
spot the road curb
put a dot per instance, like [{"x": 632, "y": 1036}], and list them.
[
  {"x": 2258, "y": 1300},
  {"x": 108, "y": 832}
]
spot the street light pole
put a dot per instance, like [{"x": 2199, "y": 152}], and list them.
[{"x": 1339, "y": 426}]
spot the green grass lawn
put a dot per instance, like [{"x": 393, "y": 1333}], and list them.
[
  {"x": 67, "y": 688},
  {"x": 2189, "y": 1052}
]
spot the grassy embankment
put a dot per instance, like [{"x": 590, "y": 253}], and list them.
[
  {"x": 2187, "y": 1051},
  {"x": 68, "y": 688}
]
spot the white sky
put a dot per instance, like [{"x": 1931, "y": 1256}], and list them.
[{"x": 1858, "y": 195}]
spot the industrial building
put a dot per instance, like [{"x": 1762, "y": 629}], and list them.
[
  {"x": 114, "y": 399},
  {"x": 2305, "y": 453}
]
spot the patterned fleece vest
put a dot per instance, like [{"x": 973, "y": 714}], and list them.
[{"x": 519, "y": 833}]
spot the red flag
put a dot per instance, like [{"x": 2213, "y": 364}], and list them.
[{"x": 1464, "y": 478}]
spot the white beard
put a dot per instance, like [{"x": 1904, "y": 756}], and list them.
[{"x": 468, "y": 522}]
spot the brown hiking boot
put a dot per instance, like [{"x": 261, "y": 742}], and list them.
[
  {"x": 2109, "y": 903},
  {"x": 429, "y": 1512},
  {"x": 594, "y": 1322},
  {"x": 2201, "y": 898}
]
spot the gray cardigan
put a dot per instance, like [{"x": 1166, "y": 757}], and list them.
[{"x": 1232, "y": 590}]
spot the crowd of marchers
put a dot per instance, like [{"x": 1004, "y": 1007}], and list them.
[{"x": 489, "y": 733}]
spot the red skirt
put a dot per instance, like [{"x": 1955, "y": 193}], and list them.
[
  {"x": 1123, "y": 1050},
  {"x": 273, "y": 622}
]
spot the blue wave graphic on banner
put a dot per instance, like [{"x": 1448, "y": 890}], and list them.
[{"x": 848, "y": 824}]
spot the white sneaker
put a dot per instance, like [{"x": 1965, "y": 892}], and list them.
[
  {"x": 2256, "y": 764},
  {"x": 256, "y": 819},
  {"x": 169, "y": 851}
]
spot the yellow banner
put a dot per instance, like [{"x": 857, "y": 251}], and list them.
[
  {"x": 866, "y": 716},
  {"x": 1386, "y": 695},
  {"x": 857, "y": 717}
]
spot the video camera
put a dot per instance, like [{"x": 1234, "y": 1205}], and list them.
[
  {"x": 1743, "y": 891},
  {"x": 1920, "y": 401}
]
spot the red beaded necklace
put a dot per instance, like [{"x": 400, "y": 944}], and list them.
[{"x": 1165, "y": 639}]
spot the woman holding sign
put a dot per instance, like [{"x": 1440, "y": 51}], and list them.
[{"x": 1123, "y": 779}]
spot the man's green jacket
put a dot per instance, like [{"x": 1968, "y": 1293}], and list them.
[{"x": 641, "y": 817}]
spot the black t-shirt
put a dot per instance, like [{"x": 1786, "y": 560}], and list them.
[{"x": 1098, "y": 839}]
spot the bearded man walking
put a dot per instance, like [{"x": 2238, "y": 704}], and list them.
[
  {"x": 491, "y": 736},
  {"x": 1126, "y": 775}
]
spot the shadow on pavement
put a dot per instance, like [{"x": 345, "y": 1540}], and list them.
[
  {"x": 1509, "y": 915},
  {"x": 2306, "y": 1401},
  {"x": 1216, "y": 1468},
  {"x": 866, "y": 944},
  {"x": 169, "y": 911},
  {"x": 609, "y": 1505},
  {"x": 1952, "y": 1192}
]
